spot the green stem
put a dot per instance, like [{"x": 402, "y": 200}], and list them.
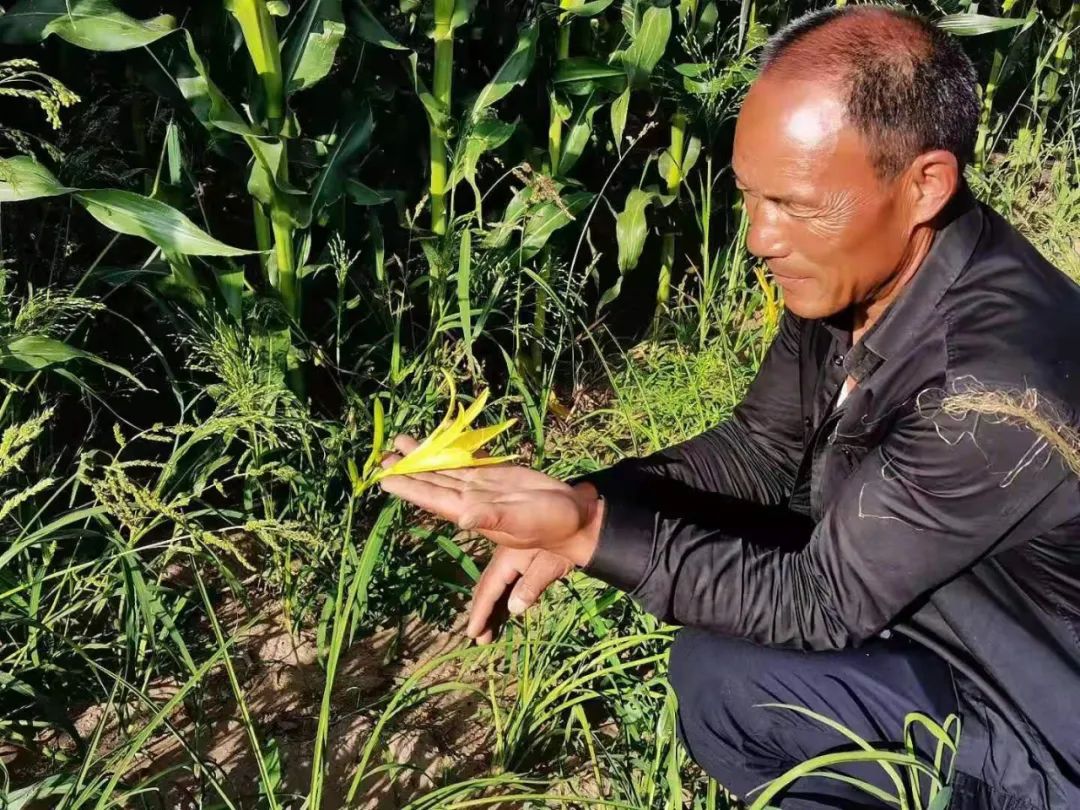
[
  {"x": 261, "y": 39},
  {"x": 987, "y": 108},
  {"x": 286, "y": 262},
  {"x": 672, "y": 182},
  {"x": 441, "y": 88},
  {"x": 555, "y": 127},
  {"x": 554, "y": 155},
  {"x": 262, "y": 237},
  {"x": 342, "y": 611}
]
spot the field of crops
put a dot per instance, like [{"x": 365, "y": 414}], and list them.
[{"x": 244, "y": 243}]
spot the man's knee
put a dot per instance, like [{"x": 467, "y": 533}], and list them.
[
  {"x": 717, "y": 682},
  {"x": 709, "y": 669}
]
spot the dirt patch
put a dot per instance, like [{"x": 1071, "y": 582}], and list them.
[{"x": 283, "y": 682}]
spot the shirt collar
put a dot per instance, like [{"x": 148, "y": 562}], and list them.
[{"x": 954, "y": 243}]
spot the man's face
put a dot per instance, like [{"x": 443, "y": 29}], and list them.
[{"x": 830, "y": 230}]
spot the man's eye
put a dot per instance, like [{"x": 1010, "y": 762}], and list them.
[{"x": 799, "y": 211}]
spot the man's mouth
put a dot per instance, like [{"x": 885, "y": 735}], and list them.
[{"x": 786, "y": 280}]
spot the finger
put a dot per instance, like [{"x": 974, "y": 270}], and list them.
[
  {"x": 444, "y": 502},
  {"x": 492, "y": 586},
  {"x": 389, "y": 459},
  {"x": 405, "y": 444},
  {"x": 485, "y": 638},
  {"x": 544, "y": 569}
]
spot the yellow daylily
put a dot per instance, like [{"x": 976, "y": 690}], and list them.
[{"x": 450, "y": 446}]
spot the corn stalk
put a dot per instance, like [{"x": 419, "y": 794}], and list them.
[
  {"x": 441, "y": 84},
  {"x": 555, "y": 128},
  {"x": 672, "y": 182},
  {"x": 261, "y": 41}
]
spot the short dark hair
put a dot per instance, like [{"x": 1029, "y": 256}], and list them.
[{"x": 908, "y": 86}]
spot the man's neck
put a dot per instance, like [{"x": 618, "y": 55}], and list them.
[{"x": 867, "y": 314}]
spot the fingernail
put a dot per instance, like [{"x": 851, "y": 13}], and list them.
[{"x": 516, "y": 605}]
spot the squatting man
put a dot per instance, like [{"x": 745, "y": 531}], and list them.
[{"x": 865, "y": 536}]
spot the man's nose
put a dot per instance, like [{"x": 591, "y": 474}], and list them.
[{"x": 764, "y": 234}]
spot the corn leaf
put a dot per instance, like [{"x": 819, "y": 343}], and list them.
[
  {"x": 463, "y": 292},
  {"x": 365, "y": 195},
  {"x": 548, "y": 218},
  {"x": 578, "y": 8},
  {"x": 185, "y": 72},
  {"x": 368, "y": 28},
  {"x": 513, "y": 71},
  {"x": 581, "y": 125},
  {"x": 136, "y": 215},
  {"x": 631, "y": 228},
  {"x": 619, "y": 108},
  {"x": 648, "y": 46},
  {"x": 330, "y": 184},
  {"x": 581, "y": 75},
  {"x": 312, "y": 44},
  {"x": 97, "y": 25},
  {"x": 973, "y": 25},
  {"x": 37, "y": 352},
  {"x": 23, "y": 178}
]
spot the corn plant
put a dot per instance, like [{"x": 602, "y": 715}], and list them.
[{"x": 283, "y": 211}]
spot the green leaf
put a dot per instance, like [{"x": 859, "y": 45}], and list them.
[
  {"x": 437, "y": 113},
  {"x": 488, "y": 134},
  {"x": 648, "y": 46},
  {"x": 581, "y": 70},
  {"x": 619, "y": 108},
  {"x": 308, "y": 54},
  {"x": 548, "y": 218},
  {"x": 368, "y": 27},
  {"x": 463, "y": 10},
  {"x": 707, "y": 23},
  {"x": 96, "y": 25},
  {"x": 463, "y": 278},
  {"x": 136, "y": 215},
  {"x": 499, "y": 235},
  {"x": 365, "y": 195},
  {"x": 513, "y": 72},
  {"x": 35, "y": 352},
  {"x": 631, "y": 228},
  {"x": 578, "y": 136},
  {"x": 973, "y": 25},
  {"x": 576, "y": 8},
  {"x": 690, "y": 158},
  {"x": 330, "y": 184},
  {"x": 23, "y": 178},
  {"x": 185, "y": 70},
  {"x": 942, "y": 799}
]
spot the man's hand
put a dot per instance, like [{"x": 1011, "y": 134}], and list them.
[
  {"x": 511, "y": 583},
  {"x": 510, "y": 505}
]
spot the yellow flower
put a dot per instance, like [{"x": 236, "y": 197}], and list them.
[{"x": 450, "y": 446}]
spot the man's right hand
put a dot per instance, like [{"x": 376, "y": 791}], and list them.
[{"x": 511, "y": 583}]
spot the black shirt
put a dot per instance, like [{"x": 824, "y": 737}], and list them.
[{"x": 954, "y": 522}]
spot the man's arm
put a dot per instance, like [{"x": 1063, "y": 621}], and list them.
[
  {"x": 753, "y": 455},
  {"x": 931, "y": 501}
]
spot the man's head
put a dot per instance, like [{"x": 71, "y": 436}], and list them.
[{"x": 849, "y": 143}]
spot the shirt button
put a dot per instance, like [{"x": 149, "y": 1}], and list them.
[
  {"x": 838, "y": 360},
  {"x": 808, "y": 422}
]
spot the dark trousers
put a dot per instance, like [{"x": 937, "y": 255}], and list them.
[{"x": 720, "y": 683}]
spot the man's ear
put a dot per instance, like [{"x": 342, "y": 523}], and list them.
[{"x": 933, "y": 178}]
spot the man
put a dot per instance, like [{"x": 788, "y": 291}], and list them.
[{"x": 888, "y": 523}]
